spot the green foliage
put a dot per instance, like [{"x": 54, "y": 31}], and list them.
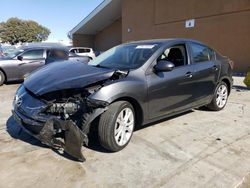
[{"x": 15, "y": 30}]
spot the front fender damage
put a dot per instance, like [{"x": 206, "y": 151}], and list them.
[{"x": 72, "y": 112}]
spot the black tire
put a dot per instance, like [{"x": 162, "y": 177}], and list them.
[
  {"x": 82, "y": 119},
  {"x": 213, "y": 105},
  {"x": 2, "y": 78},
  {"x": 106, "y": 128}
]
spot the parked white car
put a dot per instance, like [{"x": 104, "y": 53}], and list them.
[{"x": 83, "y": 51}]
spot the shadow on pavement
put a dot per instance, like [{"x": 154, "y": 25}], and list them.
[
  {"x": 95, "y": 145},
  {"x": 14, "y": 82},
  {"x": 162, "y": 120},
  {"x": 16, "y": 131},
  {"x": 240, "y": 88}
]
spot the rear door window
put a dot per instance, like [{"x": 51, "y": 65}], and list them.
[{"x": 201, "y": 53}]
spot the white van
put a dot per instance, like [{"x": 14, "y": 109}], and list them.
[{"x": 83, "y": 51}]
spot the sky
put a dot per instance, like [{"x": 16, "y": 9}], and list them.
[{"x": 60, "y": 16}]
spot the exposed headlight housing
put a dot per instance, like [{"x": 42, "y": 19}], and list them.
[{"x": 64, "y": 108}]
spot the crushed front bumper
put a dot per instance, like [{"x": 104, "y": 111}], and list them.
[{"x": 71, "y": 137}]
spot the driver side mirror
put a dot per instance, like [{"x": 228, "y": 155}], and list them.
[
  {"x": 20, "y": 58},
  {"x": 164, "y": 66}
]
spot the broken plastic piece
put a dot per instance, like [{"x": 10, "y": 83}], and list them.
[{"x": 73, "y": 137}]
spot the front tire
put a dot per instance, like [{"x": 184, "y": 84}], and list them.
[
  {"x": 220, "y": 97},
  {"x": 116, "y": 126},
  {"x": 2, "y": 78}
]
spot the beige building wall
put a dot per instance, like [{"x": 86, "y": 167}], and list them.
[
  {"x": 222, "y": 24},
  {"x": 103, "y": 40},
  {"x": 83, "y": 40},
  {"x": 109, "y": 37}
]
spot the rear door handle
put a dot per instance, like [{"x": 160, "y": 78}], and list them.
[
  {"x": 215, "y": 68},
  {"x": 189, "y": 74}
]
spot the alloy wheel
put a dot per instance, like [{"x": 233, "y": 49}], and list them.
[
  {"x": 221, "y": 96},
  {"x": 124, "y": 126}
]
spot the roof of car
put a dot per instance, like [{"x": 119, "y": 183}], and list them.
[
  {"x": 43, "y": 46},
  {"x": 80, "y": 48},
  {"x": 160, "y": 41}
]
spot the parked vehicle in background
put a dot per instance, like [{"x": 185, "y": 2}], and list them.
[
  {"x": 55, "y": 55},
  {"x": 1, "y": 51},
  {"x": 82, "y": 59},
  {"x": 131, "y": 84},
  {"x": 83, "y": 51},
  {"x": 18, "y": 64}
]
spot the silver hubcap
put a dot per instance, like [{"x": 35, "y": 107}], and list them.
[
  {"x": 221, "y": 96},
  {"x": 124, "y": 126},
  {"x": 1, "y": 78}
]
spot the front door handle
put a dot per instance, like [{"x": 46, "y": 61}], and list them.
[{"x": 189, "y": 74}]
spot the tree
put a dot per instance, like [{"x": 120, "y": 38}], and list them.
[{"x": 15, "y": 30}]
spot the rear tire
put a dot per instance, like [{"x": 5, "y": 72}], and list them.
[
  {"x": 220, "y": 97},
  {"x": 2, "y": 78},
  {"x": 116, "y": 126}
]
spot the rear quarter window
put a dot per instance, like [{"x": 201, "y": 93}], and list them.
[{"x": 86, "y": 50}]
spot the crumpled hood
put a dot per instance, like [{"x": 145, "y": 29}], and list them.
[{"x": 65, "y": 75}]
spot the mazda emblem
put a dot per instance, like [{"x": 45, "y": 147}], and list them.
[{"x": 18, "y": 100}]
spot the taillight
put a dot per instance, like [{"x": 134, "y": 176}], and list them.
[{"x": 231, "y": 63}]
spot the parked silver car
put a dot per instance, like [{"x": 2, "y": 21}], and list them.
[{"x": 16, "y": 65}]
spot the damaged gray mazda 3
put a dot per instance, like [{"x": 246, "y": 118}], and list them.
[{"x": 129, "y": 85}]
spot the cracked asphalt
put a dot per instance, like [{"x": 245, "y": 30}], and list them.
[{"x": 199, "y": 148}]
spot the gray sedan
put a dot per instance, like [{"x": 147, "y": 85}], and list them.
[
  {"x": 129, "y": 85},
  {"x": 16, "y": 65}
]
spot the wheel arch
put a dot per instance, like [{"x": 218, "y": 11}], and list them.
[
  {"x": 137, "y": 108},
  {"x": 5, "y": 75},
  {"x": 228, "y": 82}
]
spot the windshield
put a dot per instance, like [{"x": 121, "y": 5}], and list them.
[
  {"x": 129, "y": 56},
  {"x": 14, "y": 53},
  {"x": 8, "y": 49}
]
